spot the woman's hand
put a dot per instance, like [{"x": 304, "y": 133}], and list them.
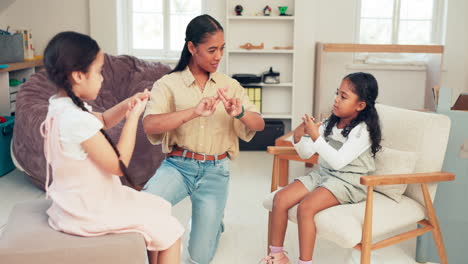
[
  {"x": 299, "y": 132},
  {"x": 233, "y": 105},
  {"x": 311, "y": 127},
  {"x": 206, "y": 106}
]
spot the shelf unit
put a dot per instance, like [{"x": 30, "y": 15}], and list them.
[
  {"x": 273, "y": 31},
  {"x": 20, "y": 71}
]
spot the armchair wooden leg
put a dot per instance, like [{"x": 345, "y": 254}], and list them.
[
  {"x": 366, "y": 242},
  {"x": 275, "y": 173},
  {"x": 283, "y": 172},
  {"x": 274, "y": 186},
  {"x": 436, "y": 233}
]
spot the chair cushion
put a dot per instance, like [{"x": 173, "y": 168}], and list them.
[
  {"x": 342, "y": 224},
  {"x": 391, "y": 161},
  {"x": 28, "y": 238},
  {"x": 422, "y": 132}
]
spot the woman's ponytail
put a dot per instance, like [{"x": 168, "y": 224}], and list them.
[{"x": 184, "y": 59}]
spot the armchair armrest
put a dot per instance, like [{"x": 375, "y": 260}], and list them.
[
  {"x": 290, "y": 153},
  {"x": 275, "y": 150},
  {"x": 373, "y": 180}
]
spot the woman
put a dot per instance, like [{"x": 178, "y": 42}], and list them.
[{"x": 197, "y": 114}]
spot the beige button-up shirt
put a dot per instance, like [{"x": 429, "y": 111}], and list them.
[{"x": 212, "y": 135}]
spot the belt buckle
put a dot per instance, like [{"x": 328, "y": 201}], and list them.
[{"x": 204, "y": 157}]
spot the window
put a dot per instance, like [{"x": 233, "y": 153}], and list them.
[
  {"x": 400, "y": 22},
  {"x": 156, "y": 28}
]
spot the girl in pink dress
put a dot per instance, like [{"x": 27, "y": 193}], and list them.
[{"x": 88, "y": 197}]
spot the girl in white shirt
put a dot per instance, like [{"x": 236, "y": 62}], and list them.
[{"x": 346, "y": 143}]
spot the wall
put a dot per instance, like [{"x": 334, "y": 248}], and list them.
[
  {"x": 45, "y": 18},
  {"x": 456, "y": 48},
  {"x": 317, "y": 20}
]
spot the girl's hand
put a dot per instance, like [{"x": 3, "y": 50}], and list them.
[
  {"x": 141, "y": 95},
  {"x": 311, "y": 127},
  {"x": 136, "y": 106},
  {"x": 206, "y": 106},
  {"x": 233, "y": 105},
  {"x": 299, "y": 132}
]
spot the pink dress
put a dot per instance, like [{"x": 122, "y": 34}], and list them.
[{"x": 88, "y": 201}]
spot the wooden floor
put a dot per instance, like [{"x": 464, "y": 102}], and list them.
[{"x": 244, "y": 240}]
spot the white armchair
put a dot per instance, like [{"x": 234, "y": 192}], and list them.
[{"x": 355, "y": 225}]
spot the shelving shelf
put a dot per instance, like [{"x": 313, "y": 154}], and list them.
[
  {"x": 261, "y": 17},
  {"x": 271, "y": 84},
  {"x": 266, "y": 51},
  {"x": 277, "y": 115}
]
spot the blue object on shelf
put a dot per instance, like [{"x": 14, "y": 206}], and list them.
[
  {"x": 6, "y": 133},
  {"x": 3, "y": 66}
]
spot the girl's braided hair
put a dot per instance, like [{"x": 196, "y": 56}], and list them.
[{"x": 68, "y": 52}]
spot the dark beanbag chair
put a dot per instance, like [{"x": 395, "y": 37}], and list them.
[{"x": 123, "y": 77}]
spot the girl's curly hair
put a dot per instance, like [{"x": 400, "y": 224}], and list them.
[{"x": 366, "y": 88}]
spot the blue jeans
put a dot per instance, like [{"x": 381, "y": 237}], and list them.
[{"x": 206, "y": 182}]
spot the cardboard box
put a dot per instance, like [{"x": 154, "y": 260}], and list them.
[
  {"x": 28, "y": 49},
  {"x": 11, "y": 48}
]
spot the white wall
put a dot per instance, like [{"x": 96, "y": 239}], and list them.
[
  {"x": 45, "y": 18},
  {"x": 306, "y": 34},
  {"x": 456, "y": 48},
  {"x": 317, "y": 20},
  {"x": 103, "y": 24}
]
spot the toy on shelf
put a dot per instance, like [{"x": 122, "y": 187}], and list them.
[
  {"x": 267, "y": 10},
  {"x": 250, "y": 46},
  {"x": 282, "y": 10},
  {"x": 15, "y": 82},
  {"x": 238, "y": 9},
  {"x": 283, "y": 47},
  {"x": 271, "y": 77},
  {"x": 27, "y": 43}
]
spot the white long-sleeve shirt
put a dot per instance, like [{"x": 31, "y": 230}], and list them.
[{"x": 354, "y": 145}]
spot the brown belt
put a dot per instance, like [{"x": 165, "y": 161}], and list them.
[{"x": 179, "y": 152}]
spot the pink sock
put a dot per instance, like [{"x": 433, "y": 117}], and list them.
[
  {"x": 304, "y": 262},
  {"x": 274, "y": 250}
]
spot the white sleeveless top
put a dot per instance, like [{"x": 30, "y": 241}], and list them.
[{"x": 76, "y": 126}]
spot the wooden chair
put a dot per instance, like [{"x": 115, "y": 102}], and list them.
[{"x": 405, "y": 130}]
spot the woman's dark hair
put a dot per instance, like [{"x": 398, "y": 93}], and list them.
[
  {"x": 366, "y": 88},
  {"x": 196, "y": 32},
  {"x": 68, "y": 52}
]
